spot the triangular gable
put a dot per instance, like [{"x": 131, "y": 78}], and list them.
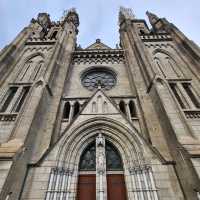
[
  {"x": 98, "y": 45},
  {"x": 99, "y": 104}
]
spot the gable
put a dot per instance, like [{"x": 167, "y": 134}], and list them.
[
  {"x": 99, "y": 104},
  {"x": 98, "y": 45}
]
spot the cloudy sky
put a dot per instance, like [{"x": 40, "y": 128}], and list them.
[{"x": 98, "y": 18}]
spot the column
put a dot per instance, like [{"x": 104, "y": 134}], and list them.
[
  {"x": 71, "y": 111},
  {"x": 70, "y": 173},
  {"x": 128, "y": 110},
  {"x": 135, "y": 192},
  {"x": 101, "y": 183}
]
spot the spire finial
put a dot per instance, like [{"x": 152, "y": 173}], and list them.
[
  {"x": 125, "y": 13},
  {"x": 71, "y": 16},
  {"x": 152, "y": 18}
]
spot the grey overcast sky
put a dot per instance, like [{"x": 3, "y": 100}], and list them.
[{"x": 98, "y": 18}]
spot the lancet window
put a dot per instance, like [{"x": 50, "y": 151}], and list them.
[
  {"x": 128, "y": 107},
  {"x": 122, "y": 107},
  {"x": 166, "y": 66},
  {"x": 71, "y": 109},
  {"x": 31, "y": 70},
  {"x": 185, "y": 95},
  {"x": 14, "y": 99}
]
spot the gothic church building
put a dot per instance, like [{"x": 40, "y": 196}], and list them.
[{"x": 100, "y": 123}]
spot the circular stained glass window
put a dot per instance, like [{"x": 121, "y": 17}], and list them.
[{"x": 99, "y": 78}]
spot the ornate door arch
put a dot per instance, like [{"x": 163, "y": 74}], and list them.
[{"x": 101, "y": 172}]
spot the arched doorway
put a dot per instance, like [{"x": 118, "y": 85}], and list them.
[{"x": 101, "y": 174}]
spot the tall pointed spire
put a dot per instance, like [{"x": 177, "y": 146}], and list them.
[
  {"x": 71, "y": 16},
  {"x": 125, "y": 13},
  {"x": 152, "y": 18}
]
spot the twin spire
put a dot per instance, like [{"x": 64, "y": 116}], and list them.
[
  {"x": 127, "y": 14},
  {"x": 72, "y": 16}
]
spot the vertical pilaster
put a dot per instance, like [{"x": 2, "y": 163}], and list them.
[{"x": 101, "y": 184}]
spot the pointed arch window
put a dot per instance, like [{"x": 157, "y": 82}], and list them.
[
  {"x": 9, "y": 97},
  {"x": 66, "y": 112},
  {"x": 31, "y": 69},
  {"x": 14, "y": 99},
  {"x": 37, "y": 70},
  {"x": 159, "y": 66},
  {"x": 76, "y": 108},
  {"x": 132, "y": 109},
  {"x": 185, "y": 95},
  {"x": 191, "y": 94},
  {"x": 167, "y": 66},
  {"x": 122, "y": 107},
  {"x": 21, "y": 98}
]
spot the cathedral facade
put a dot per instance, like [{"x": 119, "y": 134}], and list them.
[{"x": 100, "y": 123}]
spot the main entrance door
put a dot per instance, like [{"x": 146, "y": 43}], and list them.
[
  {"x": 116, "y": 187},
  {"x": 100, "y": 163},
  {"x": 87, "y": 187}
]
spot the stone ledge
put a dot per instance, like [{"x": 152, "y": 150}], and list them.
[{"x": 9, "y": 148}]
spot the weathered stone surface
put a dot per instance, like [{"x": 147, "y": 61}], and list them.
[{"x": 151, "y": 115}]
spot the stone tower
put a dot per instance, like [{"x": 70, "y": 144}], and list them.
[{"x": 100, "y": 123}]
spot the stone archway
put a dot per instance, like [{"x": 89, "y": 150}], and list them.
[{"x": 129, "y": 144}]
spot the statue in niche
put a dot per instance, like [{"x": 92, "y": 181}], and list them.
[
  {"x": 100, "y": 140},
  {"x": 100, "y": 160}
]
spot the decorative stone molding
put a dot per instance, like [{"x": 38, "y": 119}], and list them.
[
  {"x": 38, "y": 49},
  {"x": 192, "y": 114},
  {"x": 158, "y": 45},
  {"x": 39, "y": 41},
  {"x": 155, "y": 37},
  {"x": 98, "y": 57},
  {"x": 8, "y": 116}
]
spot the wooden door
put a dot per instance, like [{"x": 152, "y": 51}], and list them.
[
  {"x": 86, "y": 187},
  {"x": 116, "y": 187}
]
